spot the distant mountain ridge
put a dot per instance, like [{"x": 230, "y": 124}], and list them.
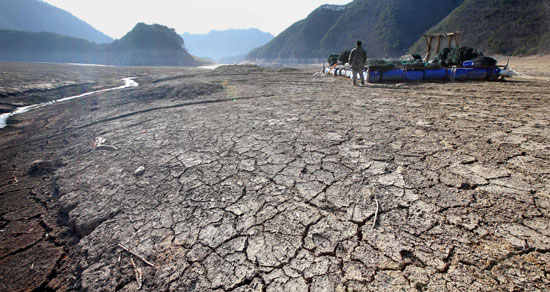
[
  {"x": 38, "y": 16},
  {"x": 387, "y": 28},
  {"x": 144, "y": 45},
  {"x": 227, "y": 45},
  {"x": 499, "y": 26}
]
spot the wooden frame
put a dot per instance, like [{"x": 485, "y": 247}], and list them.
[{"x": 456, "y": 36}]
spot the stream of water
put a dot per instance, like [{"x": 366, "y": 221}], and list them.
[{"x": 128, "y": 82}]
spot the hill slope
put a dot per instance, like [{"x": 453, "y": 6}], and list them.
[
  {"x": 151, "y": 45},
  {"x": 388, "y": 28},
  {"x": 218, "y": 45},
  {"x": 301, "y": 41},
  {"x": 145, "y": 45},
  {"x": 37, "y": 16},
  {"x": 499, "y": 26}
]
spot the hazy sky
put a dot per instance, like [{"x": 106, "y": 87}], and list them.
[{"x": 116, "y": 17}]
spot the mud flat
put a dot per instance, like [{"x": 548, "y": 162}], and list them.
[{"x": 275, "y": 179}]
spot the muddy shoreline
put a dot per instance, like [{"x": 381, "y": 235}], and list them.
[{"x": 268, "y": 179}]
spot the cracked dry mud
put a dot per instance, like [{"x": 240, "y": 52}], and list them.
[{"x": 267, "y": 179}]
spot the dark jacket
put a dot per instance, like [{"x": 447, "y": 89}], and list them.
[{"x": 358, "y": 57}]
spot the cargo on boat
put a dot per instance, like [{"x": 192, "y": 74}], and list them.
[{"x": 457, "y": 63}]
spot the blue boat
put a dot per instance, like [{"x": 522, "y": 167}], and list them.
[{"x": 378, "y": 75}]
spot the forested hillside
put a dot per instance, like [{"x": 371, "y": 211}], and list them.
[
  {"x": 145, "y": 45},
  {"x": 38, "y": 16},
  {"x": 499, "y": 26},
  {"x": 388, "y": 28}
]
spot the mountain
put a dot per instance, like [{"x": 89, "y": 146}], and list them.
[
  {"x": 151, "y": 45},
  {"x": 225, "y": 45},
  {"x": 499, "y": 26},
  {"x": 301, "y": 42},
  {"x": 387, "y": 28},
  {"x": 37, "y": 16},
  {"x": 46, "y": 47},
  {"x": 145, "y": 45}
]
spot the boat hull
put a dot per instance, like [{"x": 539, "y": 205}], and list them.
[{"x": 422, "y": 74}]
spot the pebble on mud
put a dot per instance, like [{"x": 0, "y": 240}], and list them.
[
  {"x": 40, "y": 167},
  {"x": 139, "y": 171}
]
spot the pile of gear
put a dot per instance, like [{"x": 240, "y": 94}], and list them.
[
  {"x": 456, "y": 57},
  {"x": 339, "y": 59},
  {"x": 407, "y": 61}
]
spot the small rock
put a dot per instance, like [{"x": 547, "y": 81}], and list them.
[
  {"x": 139, "y": 171},
  {"x": 40, "y": 167}
]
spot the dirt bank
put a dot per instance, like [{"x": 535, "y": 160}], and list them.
[{"x": 273, "y": 179}]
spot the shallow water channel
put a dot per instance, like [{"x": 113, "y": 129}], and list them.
[{"x": 128, "y": 82}]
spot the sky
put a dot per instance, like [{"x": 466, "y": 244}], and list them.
[{"x": 117, "y": 17}]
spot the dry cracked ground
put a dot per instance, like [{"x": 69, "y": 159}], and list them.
[{"x": 276, "y": 179}]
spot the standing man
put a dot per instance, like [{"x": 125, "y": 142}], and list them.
[{"x": 357, "y": 59}]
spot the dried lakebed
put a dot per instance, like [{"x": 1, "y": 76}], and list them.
[{"x": 274, "y": 179}]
